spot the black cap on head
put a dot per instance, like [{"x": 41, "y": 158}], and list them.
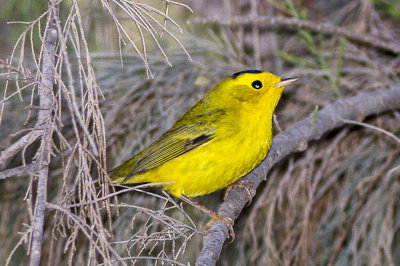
[{"x": 245, "y": 71}]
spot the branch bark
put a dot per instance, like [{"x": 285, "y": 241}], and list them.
[
  {"x": 45, "y": 120},
  {"x": 18, "y": 171},
  {"x": 295, "y": 139},
  {"x": 17, "y": 146},
  {"x": 264, "y": 21}
]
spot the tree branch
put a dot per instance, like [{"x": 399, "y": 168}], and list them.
[
  {"x": 263, "y": 21},
  {"x": 20, "y": 144},
  {"x": 18, "y": 171},
  {"x": 292, "y": 140},
  {"x": 46, "y": 116}
]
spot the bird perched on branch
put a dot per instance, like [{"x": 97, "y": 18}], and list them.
[{"x": 217, "y": 141}]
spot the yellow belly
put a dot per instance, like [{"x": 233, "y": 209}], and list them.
[{"x": 212, "y": 166}]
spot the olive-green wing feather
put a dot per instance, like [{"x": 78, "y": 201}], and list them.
[
  {"x": 170, "y": 145},
  {"x": 194, "y": 129}
]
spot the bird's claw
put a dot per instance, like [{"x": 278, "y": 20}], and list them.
[
  {"x": 250, "y": 192},
  {"x": 226, "y": 221}
]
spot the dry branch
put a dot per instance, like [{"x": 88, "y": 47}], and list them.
[
  {"x": 18, "y": 171},
  {"x": 17, "y": 146},
  {"x": 45, "y": 116},
  {"x": 295, "y": 139},
  {"x": 264, "y": 21}
]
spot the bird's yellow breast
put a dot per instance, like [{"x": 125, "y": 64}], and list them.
[{"x": 240, "y": 144}]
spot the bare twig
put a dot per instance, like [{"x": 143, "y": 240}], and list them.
[
  {"x": 381, "y": 130},
  {"x": 85, "y": 228},
  {"x": 276, "y": 123},
  {"x": 292, "y": 140},
  {"x": 140, "y": 15},
  {"x": 264, "y": 21}
]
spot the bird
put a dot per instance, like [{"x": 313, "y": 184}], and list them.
[{"x": 216, "y": 142}]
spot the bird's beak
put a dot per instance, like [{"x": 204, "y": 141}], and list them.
[{"x": 285, "y": 82}]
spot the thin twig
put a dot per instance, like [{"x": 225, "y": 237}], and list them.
[
  {"x": 85, "y": 228},
  {"x": 387, "y": 133},
  {"x": 108, "y": 196}
]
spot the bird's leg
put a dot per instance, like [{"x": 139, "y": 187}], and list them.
[
  {"x": 250, "y": 192},
  {"x": 214, "y": 216}
]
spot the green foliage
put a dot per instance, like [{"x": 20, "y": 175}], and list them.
[
  {"x": 390, "y": 7},
  {"x": 22, "y": 10}
]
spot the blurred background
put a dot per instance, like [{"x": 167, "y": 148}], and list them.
[{"x": 337, "y": 202}]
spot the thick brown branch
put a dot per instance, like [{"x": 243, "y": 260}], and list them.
[
  {"x": 295, "y": 139},
  {"x": 264, "y": 21}
]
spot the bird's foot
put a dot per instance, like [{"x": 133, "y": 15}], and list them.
[
  {"x": 250, "y": 192},
  {"x": 214, "y": 216},
  {"x": 223, "y": 219}
]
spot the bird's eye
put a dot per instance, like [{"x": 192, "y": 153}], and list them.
[{"x": 256, "y": 84}]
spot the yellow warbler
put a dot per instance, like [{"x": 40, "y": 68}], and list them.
[{"x": 220, "y": 139}]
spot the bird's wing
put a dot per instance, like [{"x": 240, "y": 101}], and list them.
[{"x": 173, "y": 143}]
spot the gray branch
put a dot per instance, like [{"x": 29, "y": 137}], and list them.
[
  {"x": 18, "y": 171},
  {"x": 45, "y": 120},
  {"x": 295, "y": 139},
  {"x": 17, "y": 146}
]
